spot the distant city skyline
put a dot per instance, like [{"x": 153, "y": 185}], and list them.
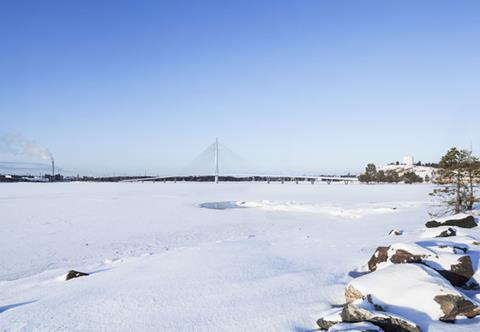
[{"x": 292, "y": 86}]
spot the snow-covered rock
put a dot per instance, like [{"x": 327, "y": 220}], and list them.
[
  {"x": 363, "y": 313},
  {"x": 414, "y": 291},
  {"x": 448, "y": 260},
  {"x": 455, "y": 268},
  {"x": 460, "y": 220},
  {"x": 398, "y": 253},
  {"x": 447, "y": 232},
  {"x": 330, "y": 318},
  {"x": 441, "y": 231},
  {"x": 387, "y": 321},
  {"x": 454, "y": 305}
]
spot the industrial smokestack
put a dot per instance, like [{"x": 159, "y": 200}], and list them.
[{"x": 53, "y": 168}]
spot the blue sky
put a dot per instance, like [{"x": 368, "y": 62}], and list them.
[{"x": 318, "y": 86}]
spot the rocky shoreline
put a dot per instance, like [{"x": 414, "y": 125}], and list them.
[{"x": 407, "y": 284}]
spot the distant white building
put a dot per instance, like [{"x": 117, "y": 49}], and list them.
[
  {"x": 427, "y": 173},
  {"x": 408, "y": 160}
]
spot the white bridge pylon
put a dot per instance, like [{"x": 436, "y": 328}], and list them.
[{"x": 217, "y": 159}]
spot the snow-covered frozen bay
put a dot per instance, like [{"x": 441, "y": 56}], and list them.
[{"x": 254, "y": 256}]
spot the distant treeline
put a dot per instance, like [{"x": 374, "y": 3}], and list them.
[
  {"x": 211, "y": 178},
  {"x": 30, "y": 178},
  {"x": 390, "y": 176},
  {"x": 202, "y": 178},
  {"x": 419, "y": 163}
]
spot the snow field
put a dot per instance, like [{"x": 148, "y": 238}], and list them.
[{"x": 162, "y": 262}]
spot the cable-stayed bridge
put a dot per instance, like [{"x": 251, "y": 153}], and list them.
[
  {"x": 218, "y": 157},
  {"x": 219, "y": 163}
]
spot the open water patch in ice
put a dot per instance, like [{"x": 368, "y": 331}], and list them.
[{"x": 224, "y": 205}]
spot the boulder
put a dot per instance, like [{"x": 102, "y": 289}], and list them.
[
  {"x": 352, "y": 294},
  {"x": 379, "y": 256},
  {"x": 448, "y": 260},
  {"x": 459, "y": 220},
  {"x": 448, "y": 232},
  {"x": 386, "y": 321},
  {"x": 454, "y": 305},
  {"x": 398, "y": 253},
  {"x": 401, "y": 256},
  {"x": 362, "y": 316},
  {"x": 460, "y": 273},
  {"x": 402, "y": 287},
  {"x": 439, "y": 232},
  {"x": 72, "y": 274},
  {"x": 329, "y": 319}
]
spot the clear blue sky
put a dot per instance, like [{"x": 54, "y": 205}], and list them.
[{"x": 327, "y": 86}]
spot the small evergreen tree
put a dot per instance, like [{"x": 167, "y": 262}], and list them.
[
  {"x": 381, "y": 176},
  {"x": 371, "y": 171},
  {"x": 457, "y": 179},
  {"x": 411, "y": 177},
  {"x": 370, "y": 174},
  {"x": 392, "y": 176},
  {"x": 471, "y": 168}
]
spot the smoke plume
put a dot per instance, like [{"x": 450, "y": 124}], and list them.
[{"x": 18, "y": 145}]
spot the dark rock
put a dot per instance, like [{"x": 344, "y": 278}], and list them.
[
  {"x": 460, "y": 273},
  {"x": 472, "y": 285},
  {"x": 329, "y": 320},
  {"x": 456, "y": 249},
  {"x": 388, "y": 322},
  {"x": 75, "y": 274},
  {"x": 467, "y": 222},
  {"x": 402, "y": 256},
  {"x": 395, "y": 232},
  {"x": 399, "y": 257},
  {"x": 379, "y": 256},
  {"x": 448, "y": 232},
  {"x": 325, "y": 324},
  {"x": 454, "y": 305}
]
